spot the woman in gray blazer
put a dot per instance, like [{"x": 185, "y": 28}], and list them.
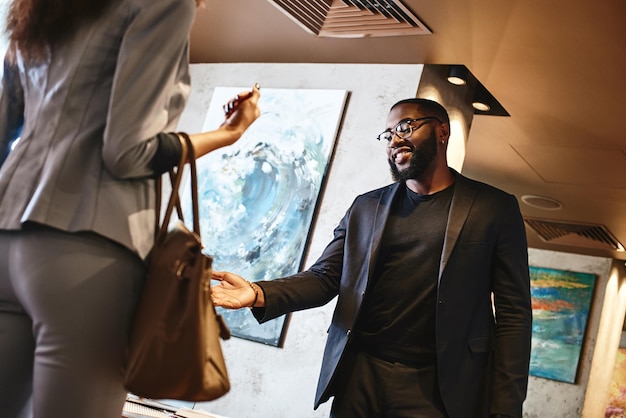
[{"x": 91, "y": 88}]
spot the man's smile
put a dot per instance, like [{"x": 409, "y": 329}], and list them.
[{"x": 402, "y": 154}]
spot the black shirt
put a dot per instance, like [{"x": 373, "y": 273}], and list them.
[
  {"x": 397, "y": 320},
  {"x": 167, "y": 154}
]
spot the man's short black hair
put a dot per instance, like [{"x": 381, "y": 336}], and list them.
[{"x": 430, "y": 106}]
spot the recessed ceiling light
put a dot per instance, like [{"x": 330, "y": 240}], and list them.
[
  {"x": 542, "y": 202},
  {"x": 457, "y": 75},
  {"x": 483, "y": 107},
  {"x": 481, "y": 98}
]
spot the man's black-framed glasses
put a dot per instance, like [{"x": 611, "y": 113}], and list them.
[{"x": 405, "y": 128}]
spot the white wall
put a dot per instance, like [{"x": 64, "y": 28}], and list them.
[{"x": 280, "y": 382}]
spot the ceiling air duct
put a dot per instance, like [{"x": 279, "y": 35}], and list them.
[
  {"x": 352, "y": 18},
  {"x": 575, "y": 234}
]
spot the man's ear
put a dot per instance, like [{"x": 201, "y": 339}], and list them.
[{"x": 444, "y": 131}]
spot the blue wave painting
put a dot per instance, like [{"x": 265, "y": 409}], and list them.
[
  {"x": 561, "y": 301},
  {"x": 257, "y": 198}
]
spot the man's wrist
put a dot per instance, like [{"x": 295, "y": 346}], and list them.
[{"x": 255, "y": 289}]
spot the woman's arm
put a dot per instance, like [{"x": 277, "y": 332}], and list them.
[{"x": 243, "y": 110}]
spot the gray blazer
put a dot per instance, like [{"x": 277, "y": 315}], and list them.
[
  {"x": 90, "y": 113},
  {"x": 482, "y": 364}
]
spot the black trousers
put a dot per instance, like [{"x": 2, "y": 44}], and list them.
[{"x": 369, "y": 387}]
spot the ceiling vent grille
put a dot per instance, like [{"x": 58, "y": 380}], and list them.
[
  {"x": 575, "y": 234},
  {"x": 353, "y": 18}
]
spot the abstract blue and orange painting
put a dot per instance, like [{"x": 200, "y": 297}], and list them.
[
  {"x": 561, "y": 301},
  {"x": 258, "y": 197}
]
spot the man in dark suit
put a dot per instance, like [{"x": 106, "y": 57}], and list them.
[{"x": 433, "y": 316}]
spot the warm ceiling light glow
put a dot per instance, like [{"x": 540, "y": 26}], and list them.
[
  {"x": 481, "y": 99},
  {"x": 457, "y": 81},
  {"x": 456, "y": 142},
  {"x": 483, "y": 107},
  {"x": 457, "y": 75}
]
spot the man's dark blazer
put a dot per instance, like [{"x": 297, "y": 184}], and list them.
[{"x": 482, "y": 360}]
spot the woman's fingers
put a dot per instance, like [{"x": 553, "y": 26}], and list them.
[{"x": 233, "y": 104}]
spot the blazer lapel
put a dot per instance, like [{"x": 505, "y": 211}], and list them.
[
  {"x": 459, "y": 209},
  {"x": 379, "y": 221}
]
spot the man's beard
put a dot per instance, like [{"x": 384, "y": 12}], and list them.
[{"x": 422, "y": 157}]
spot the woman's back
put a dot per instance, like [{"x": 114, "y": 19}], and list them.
[{"x": 89, "y": 105}]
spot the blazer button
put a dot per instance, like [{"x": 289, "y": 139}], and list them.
[{"x": 348, "y": 333}]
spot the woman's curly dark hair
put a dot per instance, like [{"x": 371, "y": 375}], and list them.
[{"x": 33, "y": 25}]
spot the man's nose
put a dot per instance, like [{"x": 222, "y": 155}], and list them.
[{"x": 395, "y": 140}]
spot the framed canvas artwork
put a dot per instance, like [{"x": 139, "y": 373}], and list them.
[
  {"x": 258, "y": 197},
  {"x": 561, "y": 301}
]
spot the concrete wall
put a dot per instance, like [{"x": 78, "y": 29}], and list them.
[{"x": 280, "y": 382}]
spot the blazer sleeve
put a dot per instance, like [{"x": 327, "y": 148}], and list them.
[
  {"x": 513, "y": 307},
  {"x": 150, "y": 88},
  {"x": 311, "y": 288}
]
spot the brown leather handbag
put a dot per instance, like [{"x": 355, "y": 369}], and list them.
[{"x": 175, "y": 350}]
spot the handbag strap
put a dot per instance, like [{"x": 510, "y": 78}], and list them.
[
  {"x": 187, "y": 155},
  {"x": 193, "y": 181},
  {"x": 158, "y": 192}
]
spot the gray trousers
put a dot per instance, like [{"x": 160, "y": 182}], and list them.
[{"x": 66, "y": 303}]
